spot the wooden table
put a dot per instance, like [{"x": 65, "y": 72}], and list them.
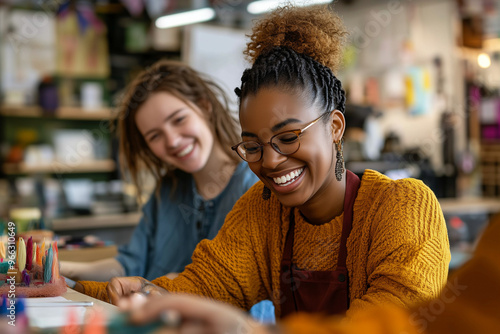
[{"x": 109, "y": 309}]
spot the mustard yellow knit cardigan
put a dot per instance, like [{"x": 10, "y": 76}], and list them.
[{"x": 397, "y": 251}]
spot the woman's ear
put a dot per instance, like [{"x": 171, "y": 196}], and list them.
[{"x": 337, "y": 122}]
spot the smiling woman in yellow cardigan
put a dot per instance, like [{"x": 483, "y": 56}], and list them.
[
  {"x": 397, "y": 249},
  {"x": 397, "y": 252}
]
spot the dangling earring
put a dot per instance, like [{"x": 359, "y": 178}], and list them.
[
  {"x": 339, "y": 166},
  {"x": 266, "y": 193}
]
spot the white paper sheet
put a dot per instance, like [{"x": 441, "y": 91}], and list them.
[
  {"x": 48, "y": 317},
  {"x": 35, "y": 301}
]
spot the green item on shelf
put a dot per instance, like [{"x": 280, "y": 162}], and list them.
[
  {"x": 3, "y": 226},
  {"x": 23, "y": 218},
  {"x": 136, "y": 37},
  {"x": 4, "y": 267}
]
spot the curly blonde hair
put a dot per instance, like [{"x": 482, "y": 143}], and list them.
[{"x": 315, "y": 31}]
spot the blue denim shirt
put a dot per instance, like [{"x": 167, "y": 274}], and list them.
[{"x": 173, "y": 224}]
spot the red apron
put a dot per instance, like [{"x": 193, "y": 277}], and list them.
[{"x": 318, "y": 291}]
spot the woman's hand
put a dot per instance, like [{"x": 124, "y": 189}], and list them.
[
  {"x": 171, "y": 275},
  {"x": 193, "y": 314},
  {"x": 120, "y": 287},
  {"x": 79, "y": 288}
]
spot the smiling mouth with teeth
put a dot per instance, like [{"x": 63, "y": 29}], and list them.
[
  {"x": 288, "y": 178},
  {"x": 185, "y": 151}
]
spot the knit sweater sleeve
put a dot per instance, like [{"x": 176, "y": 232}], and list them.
[
  {"x": 95, "y": 289},
  {"x": 409, "y": 252},
  {"x": 229, "y": 267}
]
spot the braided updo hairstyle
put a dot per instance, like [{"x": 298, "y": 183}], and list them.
[{"x": 297, "y": 49}]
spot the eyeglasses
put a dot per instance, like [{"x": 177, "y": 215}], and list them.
[{"x": 285, "y": 143}]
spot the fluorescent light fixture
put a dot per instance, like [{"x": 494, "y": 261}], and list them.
[
  {"x": 262, "y": 6},
  {"x": 484, "y": 60},
  {"x": 185, "y": 18}
]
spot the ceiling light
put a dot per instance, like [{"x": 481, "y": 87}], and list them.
[
  {"x": 262, "y": 6},
  {"x": 185, "y": 18},
  {"x": 484, "y": 60}
]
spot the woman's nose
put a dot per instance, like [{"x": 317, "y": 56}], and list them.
[
  {"x": 172, "y": 138},
  {"x": 270, "y": 158}
]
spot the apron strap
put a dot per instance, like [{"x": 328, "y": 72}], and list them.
[
  {"x": 351, "y": 191},
  {"x": 352, "y": 185},
  {"x": 290, "y": 236}
]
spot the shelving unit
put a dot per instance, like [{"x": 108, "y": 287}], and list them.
[
  {"x": 74, "y": 113},
  {"x": 62, "y": 113},
  {"x": 96, "y": 222},
  {"x": 469, "y": 205},
  {"x": 116, "y": 228},
  {"x": 27, "y": 128},
  {"x": 490, "y": 168},
  {"x": 97, "y": 166}
]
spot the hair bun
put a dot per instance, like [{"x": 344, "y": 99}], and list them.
[{"x": 315, "y": 31}]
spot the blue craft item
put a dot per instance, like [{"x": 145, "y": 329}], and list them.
[
  {"x": 3, "y": 306},
  {"x": 41, "y": 224},
  {"x": 26, "y": 278},
  {"x": 47, "y": 268},
  {"x": 20, "y": 306},
  {"x": 48, "y": 95}
]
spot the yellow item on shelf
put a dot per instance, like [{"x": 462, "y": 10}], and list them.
[
  {"x": 3, "y": 254},
  {"x": 34, "y": 253},
  {"x": 21, "y": 254}
]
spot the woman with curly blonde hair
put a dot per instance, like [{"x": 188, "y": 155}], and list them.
[
  {"x": 310, "y": 236},
  {"x": 174, "y": 123}
]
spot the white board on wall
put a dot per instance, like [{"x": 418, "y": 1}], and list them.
[
  {"x": 218, "y": 53},
  {"x": 28, "y": 52}
]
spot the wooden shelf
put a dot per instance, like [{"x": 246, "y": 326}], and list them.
[
  {"x": 84, "y": 114},
  {"x": 75, "y": 113},
  {"x": 490, "y": 166},
  {"x": 470, "y": 205},
  {"x": 87, "y": 254},
  {"x": 93, "y": 222},
  {"x": 27, "y": 111},
  {"x": 97, "y": 166}
]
